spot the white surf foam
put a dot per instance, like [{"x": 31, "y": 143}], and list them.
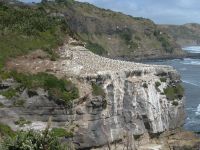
[
  {"x": 191, "y": 109},
  {"x": 198, "y": 111},
  {"x": 192, "y": 49},
  {"x": 188, "y": 61}
]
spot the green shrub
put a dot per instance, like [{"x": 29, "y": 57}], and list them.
[
  {"x": 163, "y": 79},
  {"x": 105, "y": 104},
  {"x": 138, "y": 18},
  {"x": 33, "y": 140},
  {"x": 174, "y": 92},
  {"x": 133, "y": 44},
  {"x": 60, "y": 132},
  {"x": 22, "y": 122},
  {"x": 10, "y": 93},
  {"x": 5, "y": 130},
  {"x": 163, "y": 40},
  {"x": 57, "y": 88},
  {"x": 1, "y": 105},
  {"x": 145, "y": 85},
  {"x": 63, "y": 2},
  {"x": 170, "y": 93},
  {"x": 179, "y": 91},
  {"x": 4, "y": 75},
  {"x": 97, "y": 90},
  {"x": 175, "y": 103},
  {"x": 157, "y": 84},
  {"x": 125, "y": 34},
  {"x": 96, "y": 48}
]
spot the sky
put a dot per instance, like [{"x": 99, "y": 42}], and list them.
[{"x": 160, "y": 11}]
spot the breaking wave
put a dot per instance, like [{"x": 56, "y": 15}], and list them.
[
  {"x": 189, "y": 61},
  {"x": 197, "y": 113}
]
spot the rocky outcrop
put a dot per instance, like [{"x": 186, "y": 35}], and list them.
[{"x": 133, "y": 102}]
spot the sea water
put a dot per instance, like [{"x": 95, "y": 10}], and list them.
[{"x": 190, "y": 75}]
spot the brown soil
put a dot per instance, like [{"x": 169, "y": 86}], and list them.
[{"x": 37, "y": 61}]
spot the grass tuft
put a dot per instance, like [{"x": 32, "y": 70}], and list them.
[
  {"x": 97, "y": 90},
  {"x": 96, "y": 48},
  {"x": 10, "y": 93},
  {"x": 61, "y": 132},
  {"x": 163, "y": 79},
  {"x": 5, "y": 130}
]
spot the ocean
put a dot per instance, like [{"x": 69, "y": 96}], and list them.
[{"x": 190, "y": 75}]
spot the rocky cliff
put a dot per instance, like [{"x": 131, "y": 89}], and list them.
[{"x": 119, "y": 101}]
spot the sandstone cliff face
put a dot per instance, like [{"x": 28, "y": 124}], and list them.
[{"x": 132, "y": 103}]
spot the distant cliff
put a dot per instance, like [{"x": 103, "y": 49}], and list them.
[{"x": 185, "y": 35}]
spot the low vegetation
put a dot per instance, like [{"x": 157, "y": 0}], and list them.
[
  {"x": 5, "y": 130},
  {"x": 61, "y": 132},
  {"x": 174, "y": 92},
  {"x": 96, "y": 48},
  {"x": 163, "y": 79},
  {"x": 58, "y": 88},
  {"x": 22, "y": 122},
  {"x": 1, "y": 105},
  {"x": 10, "y": 93},
  {"x": 62, "y": 90},
  {"x": 33, "y": 140},
  {"x": 97, "y": 90},
  {"x": 175, "y": 103},
  {"x": 145, "y": 85},
  {"x": 157, "y": 84},
  {"x": 126, "y": 34},
  {"x": 164, "y": 40},
  {"x": 24, "y": 29},
  {"x": 63, "y": 2}
]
